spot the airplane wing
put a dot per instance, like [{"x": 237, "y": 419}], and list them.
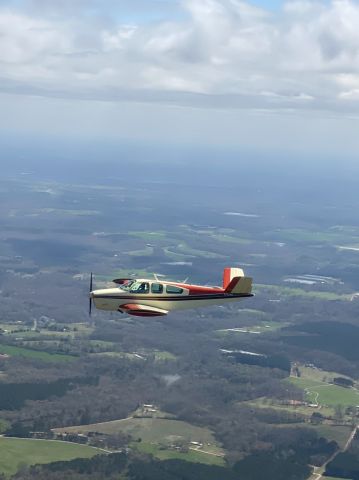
[{"x": 139, "y": 310}]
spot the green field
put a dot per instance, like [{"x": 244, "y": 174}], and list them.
[
  {"x": 130, "y": 356},
  {"x": 101, "y": 343},
  {"x": 230, "y": 239},
  {"x": 149, "y": 236},
  {"x": 17, "y": 451},
  {"x": 267, "y": 326},
  {"x": 12, "y": 327},
  {"x": 338, "y": 433},
  {"x": 265, "y": 402},
  {"x": 185, "y": 249},
  {"x": 25, "y": 352},
  {"x": 163, "y": 355},
  {"x": 177, "y": 257},
  {"x": 318, "y": 237},
  {"x": 326, "y": 393},
  {"x": 190, "y": 456},
  {"x": 145, "y": 252},
  {"x": 253, "y": 312},
  {"x": 153, "y": 430}
]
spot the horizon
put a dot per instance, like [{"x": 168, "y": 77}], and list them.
[{"x": 261, "y": 75}]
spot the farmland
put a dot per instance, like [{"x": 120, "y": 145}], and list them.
[
  {"x": 159, "y": 435},
  {"x": 192, "y": 455},
  {"x": 327, "y": 394},
  {"x": 36, "y": 354},
  {"x": 16, "y": 452},
  {"x": 70, "y": 369}
]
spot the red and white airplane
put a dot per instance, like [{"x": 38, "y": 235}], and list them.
[{"x": 151, "y": 298}]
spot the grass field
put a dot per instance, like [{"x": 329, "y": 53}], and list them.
[
  {"x": 74, "y": 329},
  {"x": 309, "y": 236},
  {"x": 267, "y": 326},
  {"x": 178, "y": 257},
  {"x": 17, "y": 451},
  {"x": 307, "y": 411},
  {"x": 163, "y": 355},
  {"x": 230, "y": 239},
  {"x": 130, "y": 356},
  {"x": 318, "y": 374},
  {"x": 24, "y": 352},
  {"x": 326, "y": 393},
  {"x": 154, "y": 430},
  {"x": 185, "y": 249},
  {"x": 145, "y": 252},
  {"x": 190, "y": 456},
  {"x": 12, "y": 327},
  {"x": 338, "y": 433},
  {"x": 149, "y": 236}
]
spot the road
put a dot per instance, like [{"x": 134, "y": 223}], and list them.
[{"x": 319, "y": 471}]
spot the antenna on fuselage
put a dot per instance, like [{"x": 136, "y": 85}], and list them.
[{"x": 156, "y": 278}]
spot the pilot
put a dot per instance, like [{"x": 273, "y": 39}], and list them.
[{"x": 143, "y": 288}]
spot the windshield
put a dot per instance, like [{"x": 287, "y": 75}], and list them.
[{"x": 126, "y": 286}]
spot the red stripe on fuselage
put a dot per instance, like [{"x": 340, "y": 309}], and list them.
[{"x": 198, "y": 289}]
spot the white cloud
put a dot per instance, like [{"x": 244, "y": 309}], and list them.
[{"x": 222, "y": 53}]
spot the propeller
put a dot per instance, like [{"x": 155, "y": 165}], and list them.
[{"x": 90, "y": 298}]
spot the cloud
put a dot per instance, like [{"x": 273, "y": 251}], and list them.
[{"x": 208, "y": 53}]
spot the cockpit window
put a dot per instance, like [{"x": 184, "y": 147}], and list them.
[
  {"x": 157, "y": 288},
  {"x": 173, "y": 289},
  {"x": 126, "y": 286},
  {"x": 140, "y": 287}
]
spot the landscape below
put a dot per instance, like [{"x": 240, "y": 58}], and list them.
[{"x": 260, "y": 390}]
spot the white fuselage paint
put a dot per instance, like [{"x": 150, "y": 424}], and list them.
[{"x": 112, "y": 299}]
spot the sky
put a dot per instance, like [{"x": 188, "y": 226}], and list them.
[{"x": 272, "y": 75}]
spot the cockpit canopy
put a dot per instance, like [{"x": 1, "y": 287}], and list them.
[{"x": 145, "y": 286}]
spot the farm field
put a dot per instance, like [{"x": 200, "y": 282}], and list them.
[
  {"x": 163, "y": 356},
  {"x": 254, "y": 328},
  {"x": 326, "y": 393},
  {"x": 24, "y": 352},
  {"x": 15, "y": 451},
  {"x": 195, "y": 456},
  {"x": 154, "y": 431},
  {"x": 318, "y": 374},
  {"x": 265, "y": 402},
  {"x": 298, "y": 235},
  {"x": 338, "y": 433}
]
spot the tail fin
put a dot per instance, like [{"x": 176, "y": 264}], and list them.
[{"x": 234, "y": 281}]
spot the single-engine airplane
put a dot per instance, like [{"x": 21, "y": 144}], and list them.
[{"x": 151, "y": 298}]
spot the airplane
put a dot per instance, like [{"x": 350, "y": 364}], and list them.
[{"x": 143, "y": 297}]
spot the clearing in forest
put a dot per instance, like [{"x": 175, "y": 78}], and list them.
[{"x": 16, "y": 452}]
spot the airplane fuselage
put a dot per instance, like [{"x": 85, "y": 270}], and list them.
[{"x": 152, "y": 298}]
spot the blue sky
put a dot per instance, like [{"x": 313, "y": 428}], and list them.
[
  {"x": 268, "y": 4},
  {"x": 195, "y": 71}
]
